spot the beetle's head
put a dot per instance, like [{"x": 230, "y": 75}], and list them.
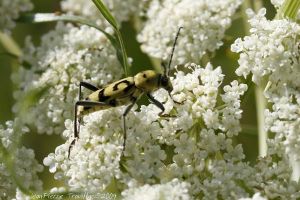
[{"x": 166, "y": 83}]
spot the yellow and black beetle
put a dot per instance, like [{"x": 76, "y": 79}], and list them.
[{"x": 123, "y": 92}]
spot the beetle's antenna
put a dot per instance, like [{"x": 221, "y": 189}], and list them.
[{"x": 173, "y": 49}]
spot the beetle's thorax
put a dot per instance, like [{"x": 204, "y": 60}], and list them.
[{"x": 147, "y": 81}]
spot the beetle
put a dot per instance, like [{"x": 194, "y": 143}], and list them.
[{"x": 123, "y": 92}]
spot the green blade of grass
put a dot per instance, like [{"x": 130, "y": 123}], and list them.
[
  {"x": 109, "y": 17},
  {"x": 52, "y": 17},
  {"x": 106, "y": 13}
]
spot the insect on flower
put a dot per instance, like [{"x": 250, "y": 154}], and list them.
[{"x": 123, "y": 92}]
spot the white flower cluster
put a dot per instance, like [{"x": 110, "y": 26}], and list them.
[
  {"x": 10, "y": 11},
  {"x": 174, "y": 190},
  {"x": 271, "y": 50},
  {"x": 271, "y": 53},
  {"x": 277, "y": 3},
  {"x": 23, "y": 166},
  {"x": 204, "y": 23},
  {"x": 256, "y": 196},
  {"x": 120, "y": 9},
  {"x": 66, "y": 56},
  {"x": 194, "y": 144}
]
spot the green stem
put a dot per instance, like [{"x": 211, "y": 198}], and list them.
[
  {"x": 123, "y": 50},
  {"x": 289, "y": 9},
  {"x": 260, "y": 108},
  {"x": 259, "y": 96},
  {"x": 249, "y": 130},
  {"x": 261, "y": 105},
  {"x": 257, "y": 4},
  {"x": 110, "y": 18},
  {"x": 246, "y": 5},
  {"x": 156, "y": 63}
]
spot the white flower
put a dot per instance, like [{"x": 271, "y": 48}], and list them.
[
  {"x": 174, "y": 190},
  {"x": 256, "y": 196},
  {"x": 66, "y": 56},
  {"x": 284, "y": 117},
  {"x": 204, "y": 23},
  {"x": 273, "y": 174},
  {"x": 10, "y": 11},
  {"x": 271, "y": 50},
  {"x": 271, "y": 54},
  {"x": 120, "y": 9},
  {"x": 277, "y": 3},
  {"x": 94, "y": 159},
  {"x": 159, "y": 149},
  {"x": 23, "y": 167},
  {"x": 10, "y": 135},
  {"x": 21, "y": 196},
  {"x": 7, "y": 186}
]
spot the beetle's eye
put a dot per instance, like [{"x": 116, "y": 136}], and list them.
[{"x": 164, "y": 81}]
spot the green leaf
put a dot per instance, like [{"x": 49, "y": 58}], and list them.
[
  {"x": 121, "y": 51},
  {"x": 117, "y": 41},
  {"x": 10, "y": 45},
  {"x": 289, "y": 9},
  {"x": 106, "y": 13},
  {"x": 52, "y": 17},
  {"x": 11, "y": 55}
]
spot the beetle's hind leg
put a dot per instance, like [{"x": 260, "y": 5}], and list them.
[
  {"x": 76, "y": 128},
  {"x": 84, "y": 103}
]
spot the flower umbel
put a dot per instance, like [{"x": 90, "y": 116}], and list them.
[
  {"x": 66, "y": 56},
  {"x": 194, "y": 149},
  {"x": 10, "y": 11},
  {"x": 204, "y": 25},
  {"x": 160, "y": 149},
  {"x": 22, "y": 159},
  {"x": 271, "y": 53}
]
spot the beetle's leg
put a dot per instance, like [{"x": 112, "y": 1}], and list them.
[
  {"x": 180, "y": 103},
  {"x": 157, "y": 103},
  {"x": 76, "y": 131},
  {"x": 76, "y": 128},
  {"x": 88, "y": 86},
  {"x": 128, "y": 108}
]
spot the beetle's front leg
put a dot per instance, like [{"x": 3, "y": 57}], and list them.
[
  {"x": 157, "y": 103},
  {"x": 180, "y": 103}
]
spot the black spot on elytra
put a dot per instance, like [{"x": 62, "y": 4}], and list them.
[
  {"x": 128, "y": 88},
  {"x": 101, "y": 96},
  {"x": 115, "y": 87},
  {"x": 145, "y": 75}
]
